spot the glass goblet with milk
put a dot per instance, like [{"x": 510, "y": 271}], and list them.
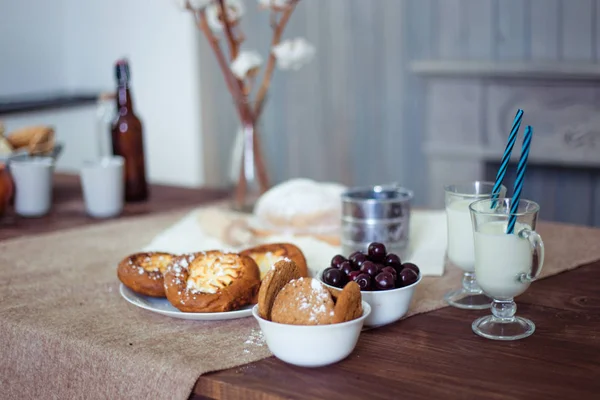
[
  {"x": 505, "y": 264},
  {"x": 460, "y": 241}
]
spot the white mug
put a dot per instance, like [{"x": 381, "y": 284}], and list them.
[
  {"x": 103, "y": 187},
  {"x": 33, "y": 185}
]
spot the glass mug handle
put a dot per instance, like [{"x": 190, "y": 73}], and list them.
[{"x": 537, "y": 245}]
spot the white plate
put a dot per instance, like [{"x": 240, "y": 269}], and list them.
[{"x": 162, "y": 306}]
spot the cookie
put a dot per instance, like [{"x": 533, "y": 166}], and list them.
[
  {"x": 280, "y": 274},
  {"x": 349, "y": 303},
  {"x": 303, "y": 301},
  {"x": 335, "y": 293}
]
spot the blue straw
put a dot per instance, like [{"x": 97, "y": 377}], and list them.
[
  {"x": 512, "y": 219},
  {"x": 512, "y": 138}
]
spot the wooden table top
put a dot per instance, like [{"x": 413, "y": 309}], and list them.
[
  {"x": 68, "y": 210},
  {"x": 428, "y": 356}
]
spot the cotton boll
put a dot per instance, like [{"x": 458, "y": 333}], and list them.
[
  {"x": 246, "y": 63},
  {"x": 294, "y": 53}
]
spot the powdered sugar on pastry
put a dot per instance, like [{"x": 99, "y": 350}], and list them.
[{"x": 143, "y": 272}]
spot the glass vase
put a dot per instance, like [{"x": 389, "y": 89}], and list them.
[{"x": 248, "y": 173}]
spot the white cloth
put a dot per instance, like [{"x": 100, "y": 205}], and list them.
[
  {"x": 427, "y": 246},
  {"x": 428, "y": 241}
]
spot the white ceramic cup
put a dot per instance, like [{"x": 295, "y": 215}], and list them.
[
  {"x": 103, "y": 186},
  {"x": 33, "y": 185}
]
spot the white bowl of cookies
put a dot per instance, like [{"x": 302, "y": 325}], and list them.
[
  {"x": 304, "y": 323},
  {"x": 387, "y": 284}
]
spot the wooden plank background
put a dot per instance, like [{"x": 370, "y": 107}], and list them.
[{"x": 356, "y": 113}]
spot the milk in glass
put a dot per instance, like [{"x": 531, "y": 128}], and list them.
[
  {"x": 460, "y": 235},
  {"x": 501, "y": 259}
]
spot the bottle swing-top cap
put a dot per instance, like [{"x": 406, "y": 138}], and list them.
[{"x": 122, "y": 71}]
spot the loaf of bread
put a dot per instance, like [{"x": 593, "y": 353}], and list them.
[
  {"x": 300, "y": 207},
  {"x": 38, "y": 139}
]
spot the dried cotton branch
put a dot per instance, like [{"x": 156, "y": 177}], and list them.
[
  {"x": 213, "y": 16},
  {"x": 216, "y": 16},
  {"x": 277, "y": 32}
]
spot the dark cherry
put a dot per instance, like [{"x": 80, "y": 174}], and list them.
[
  {"x": 337, "y": 260},
  {"x": 412, "y": 267},
  {"x": 380, "y": 267},
  {"x": 398, "y": 268},
  {"x": 334, "y": 277},
  {"x": 369, "y": 268},
  {"x": 385, "y": 281},
  {"x": 390, "y": 270},
  {"x": 364, "y": 281},
  {"x": 392, "y": 260},
  {"x": 353, "y": 275},
  {"x": 407, "y": 277},
  {"x": 326, "y": 273},
  {"x": 357, "y": 259},
  {"x": 346, "y": 267},
  {"x": 377, "y": 252}
]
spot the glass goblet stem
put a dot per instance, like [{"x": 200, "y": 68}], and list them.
[{"x": 504, "y": 310}]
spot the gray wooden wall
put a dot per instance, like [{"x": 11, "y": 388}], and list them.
[
  {"x": 356, "y": 113},
  {"x": 522, "y": 31},
  {"x": 501, "y": 30}
]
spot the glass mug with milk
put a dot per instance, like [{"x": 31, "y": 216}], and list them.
[
  {"x": 460, "y": 249},
  {"x": 505, "y": 264}
]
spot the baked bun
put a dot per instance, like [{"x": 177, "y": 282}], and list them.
[
  {"x": 267, "y": 255},
  {"x": 211, "y": 281},
  {"x": 143, "y": 272},
  {"x": 300, "y": 207}
]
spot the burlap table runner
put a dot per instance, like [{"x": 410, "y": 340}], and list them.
[{"x": 66, "y": 332}]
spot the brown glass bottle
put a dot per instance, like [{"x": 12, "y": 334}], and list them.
[{"x": 128, "y": 138}]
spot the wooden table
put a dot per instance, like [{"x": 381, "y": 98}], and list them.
[
  {"x": 68, "y": 210},
  {"x": 428, "y": 356}
]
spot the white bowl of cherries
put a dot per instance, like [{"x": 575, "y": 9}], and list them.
[{"x": 386, "y": 283}]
